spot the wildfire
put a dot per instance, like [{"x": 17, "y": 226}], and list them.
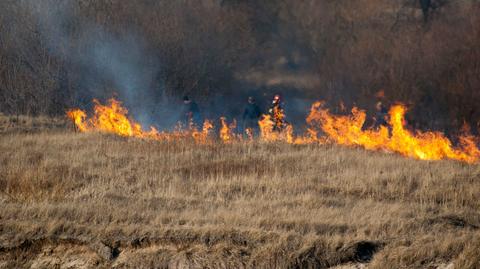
[
  {"x": 78, "y": 116},
  {"x": 203, "y": 136},
  {"x": 227, "y": 130},
  {"x": 113, "y": 118},
  {"x": 347, "y": 130},
  {"x": 275, "y": 129},
  {"x": 323, "y": 127}
]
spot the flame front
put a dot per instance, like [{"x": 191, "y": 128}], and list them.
[
  {"x": 323, "y": 127},
  {"x": 113, "y": 118},
  {"x": 395, "y": 137}
]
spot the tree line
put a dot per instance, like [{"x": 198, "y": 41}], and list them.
[{"x": 54, "y": 56}]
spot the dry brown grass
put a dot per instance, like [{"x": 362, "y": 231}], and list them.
[
  {"x": 93, "y": 200},
  {"x": 27, "y": 124}
]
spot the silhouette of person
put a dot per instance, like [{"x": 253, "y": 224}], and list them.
[
  {"x": 276, "y": 113},
  {"x": 381, "y": 115},
  {"x": 251, "y": 115},
  {"x": 191, "y": 113}
]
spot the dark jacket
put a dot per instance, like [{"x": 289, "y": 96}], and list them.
[
  {"x": 279, "y": 123},
  {"x": 191, "y": 114},
  {"x": 251, "y": 112},
  {"x": 274, "y": 107},
  {"x": 381, "y": 117}
]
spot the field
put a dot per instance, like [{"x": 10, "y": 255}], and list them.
[{"x": 72, "y": 200}]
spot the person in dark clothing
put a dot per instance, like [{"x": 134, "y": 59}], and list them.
[
  {"x": 277, "y": 114},
  {"x": 250, "y": 117},
  {"x": 381, "y": 116},
  {"x": 191, "y": 113},
  {"x": 426, "y": 5}
]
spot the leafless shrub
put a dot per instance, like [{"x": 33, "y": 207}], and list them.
[{"x": 353, "y": 49}]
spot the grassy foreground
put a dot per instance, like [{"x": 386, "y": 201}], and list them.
[{"x": 72, "y": 200}]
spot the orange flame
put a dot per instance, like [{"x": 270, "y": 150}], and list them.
[
  {"x": 266, "y": 128},
  {"x": 274, "y": 128},
  {"x": 323, "y": 127},
  {"x": 112, "y": 118},
  {"x": 78, "y": 116},
  {"x": 227, "y": 133},
  {"x": 347, "y": 130},
  {"x": 203, "y": 136},
  {"x": 250, "y": 134}
]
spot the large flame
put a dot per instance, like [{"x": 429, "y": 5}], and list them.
[
  {"x": 323, "y": 127},
  {"x": 78, "y": 116},
  {"x": 274, "y": 129},
  {"x": 348, "y": 130},
  {"x": 113, "y": 118}
]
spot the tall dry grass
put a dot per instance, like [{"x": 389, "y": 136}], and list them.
[
  {"x": 221, "y": 51},
  {"x": 93, "y": 200}
]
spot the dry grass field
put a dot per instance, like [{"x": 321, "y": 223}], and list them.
[{"x": 73, "y": 200}]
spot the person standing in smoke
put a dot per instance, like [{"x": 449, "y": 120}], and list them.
[
  {"x": 251, "y": 116},
  {"x": 191, "y": 113},
  {"x": 381, "y": 116},
  {"x": 277, "y": 114}
]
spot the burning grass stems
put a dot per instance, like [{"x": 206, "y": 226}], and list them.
[{"x": 323, "y": 127}]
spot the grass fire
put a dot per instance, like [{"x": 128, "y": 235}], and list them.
[
  {"x": 323, "y": 128},
  {"x": 247, "y": 134}
]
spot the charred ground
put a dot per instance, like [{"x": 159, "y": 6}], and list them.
[{"x": 93, "y": 200}]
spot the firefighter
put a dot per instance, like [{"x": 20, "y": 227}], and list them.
[
  {"x": 277, "y": 114},
  {"x": 191, "y": 113},
  {"x": 251, "y": 115},
  {"x": 381, "y": 116}
]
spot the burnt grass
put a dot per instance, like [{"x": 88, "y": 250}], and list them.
[{"x": 73, "y": 200}]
